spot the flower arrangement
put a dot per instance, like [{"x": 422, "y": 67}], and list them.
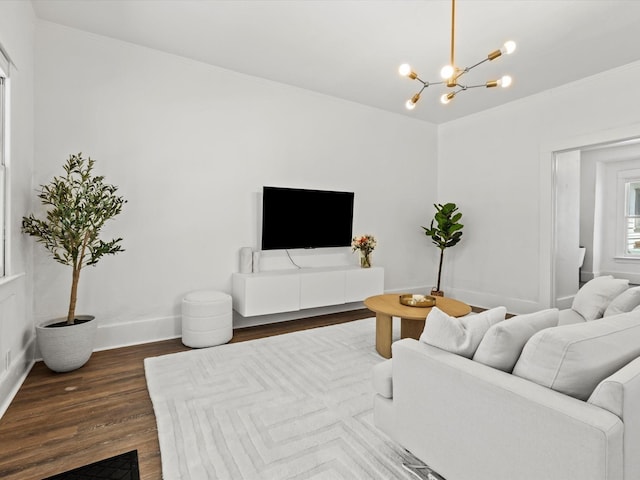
[{"x": 365, "y": 244}]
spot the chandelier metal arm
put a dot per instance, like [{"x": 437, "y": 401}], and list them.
[
  {"x": 466, "y": 87},
  {"x": 475, "y": 65},
  {"x": 426, "y": 84}
]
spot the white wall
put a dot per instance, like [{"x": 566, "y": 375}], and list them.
[
  {"x": 567, "y": 218},
  {"x": 501, "y": 177},
  {"x": 588, "y": 211},
  {"x": 190, "y": 146},
  {"x": 488, "y": 166},
  {"x": 17, "y": 27}
]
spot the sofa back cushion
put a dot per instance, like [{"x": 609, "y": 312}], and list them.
[
  {"x": 594, "y": 297},
  {"x": 573, "y": 359},
  {"x": 502, "y": 344},
  {"x": 459, "y": 335},
  {"x": 568, "y": 316},
  {"x": 623, "y": 303}
]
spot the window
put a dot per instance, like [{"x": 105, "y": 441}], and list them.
[{"x": 632, "y": 217}]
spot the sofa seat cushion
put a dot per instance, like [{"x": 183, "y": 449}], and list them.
[
  {"x": 459, "y": 335},
  {"x": 573, "y": 359},
  {"x": 383, "y": 378},
  {"x": 623, "y": 303},
  {"x": 594, "y": 297},
  {"x": 502, "y": 344}
]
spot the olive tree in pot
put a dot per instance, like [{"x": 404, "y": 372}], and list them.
[
  {"x": 446, "y": 233},
  {"x": 77, "y": 206}
]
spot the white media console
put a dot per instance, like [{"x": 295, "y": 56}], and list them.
[{"x": 280, "y": 291}]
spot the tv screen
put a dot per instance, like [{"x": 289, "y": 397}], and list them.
[{"x": 300, "y": 218}]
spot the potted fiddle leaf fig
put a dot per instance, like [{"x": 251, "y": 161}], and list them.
[
  {"x": 445, "y": 234},
  {"x": 77, "y": 205}
]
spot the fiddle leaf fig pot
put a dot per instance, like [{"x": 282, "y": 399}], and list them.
[
  {"x": 66, "y": 347},
  {"x": 77, "y": 204}
]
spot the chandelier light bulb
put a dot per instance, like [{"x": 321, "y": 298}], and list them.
[
  {"x": 446, "y": 97},
  {"x": 411, "y": 103},
  {"x": 509, "y": 47},
  {"x": 404, "y": 70},
  {"x": 505, "y": 81},
  {"x": 447, "y": 71}
]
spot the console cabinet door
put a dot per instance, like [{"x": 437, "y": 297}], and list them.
[
  {"x": 266, "y": 294},
  {"x": 364, "y": 282},
  {"x": 320, "y": 289}
]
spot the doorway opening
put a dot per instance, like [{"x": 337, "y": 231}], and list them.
[{"x": 595, "y": 216}]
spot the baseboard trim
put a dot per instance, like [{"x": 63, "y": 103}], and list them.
[
  {"x": 515, "y": 306},
  {"x": 165, "y": 328},
  {"x": 15, "y": 376},
  {"x": 481, "y": 299},
  {"x": 564, "y": 302},
  {"x": 137, "y": 332}
]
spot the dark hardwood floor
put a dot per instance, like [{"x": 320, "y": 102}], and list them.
[{"x": 58, "y": 422}]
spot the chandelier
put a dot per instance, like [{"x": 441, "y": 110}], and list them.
[{"x": 451, "y": 73}]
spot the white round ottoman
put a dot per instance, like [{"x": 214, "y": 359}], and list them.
[{"x": 206, "y": 319}]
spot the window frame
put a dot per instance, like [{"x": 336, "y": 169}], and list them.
[
  {"x": 5, "y": 83},
  {"x": 625, "y": 179}
]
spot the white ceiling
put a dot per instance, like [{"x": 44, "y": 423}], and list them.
[{"x": 351, "y": 49}]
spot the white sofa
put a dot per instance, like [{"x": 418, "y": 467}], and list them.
[{"x": 570, "y": 410}]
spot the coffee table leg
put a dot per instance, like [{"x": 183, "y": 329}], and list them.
[
  {"x": 411, "y": 328},
  {"x": 383, "y": 334}
]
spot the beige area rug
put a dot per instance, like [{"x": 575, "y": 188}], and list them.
[{"x": 294, "y": 406}]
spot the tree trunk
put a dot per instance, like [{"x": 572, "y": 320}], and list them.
[
  {"x": 74, "y": 295},
  {"x": 440, "y": 268},
  {"x": 77, "y": 266}
]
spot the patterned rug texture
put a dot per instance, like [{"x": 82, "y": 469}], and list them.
[{"x": 294, "y": 406}]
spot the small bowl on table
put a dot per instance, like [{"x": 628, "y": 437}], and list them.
[{"x": 417, "y": 300}]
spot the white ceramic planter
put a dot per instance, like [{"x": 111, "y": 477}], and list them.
[{"x": 66, "y": 348}]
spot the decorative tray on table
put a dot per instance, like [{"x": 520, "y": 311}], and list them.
[{"x": 416, "y": 300}]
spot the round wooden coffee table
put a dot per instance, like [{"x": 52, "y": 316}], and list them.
[{"x": 412, "y": 319}]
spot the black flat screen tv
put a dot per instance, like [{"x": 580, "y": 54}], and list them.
[{"x": 301, "y": 218}]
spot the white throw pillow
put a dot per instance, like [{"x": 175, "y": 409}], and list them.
[
  {"x": 459, "y": 335},
  {"x": 594, "y": 297},
  {"x": 502, "y": 344},
  {"x": 623, "y": 303},
  {"x": 573, "y": 359}
]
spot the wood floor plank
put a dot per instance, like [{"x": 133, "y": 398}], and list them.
[{"x": 58, "y": 422}]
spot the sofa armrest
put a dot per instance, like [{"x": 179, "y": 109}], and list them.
[
  {"x": 467, "y": 420},
  {"x": 620, "y": 394}
]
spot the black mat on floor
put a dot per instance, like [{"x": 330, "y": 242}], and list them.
[{"x": 120, "y": 467}]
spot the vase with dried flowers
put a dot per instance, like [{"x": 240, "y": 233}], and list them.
[{"x": 365, "y": 244}]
